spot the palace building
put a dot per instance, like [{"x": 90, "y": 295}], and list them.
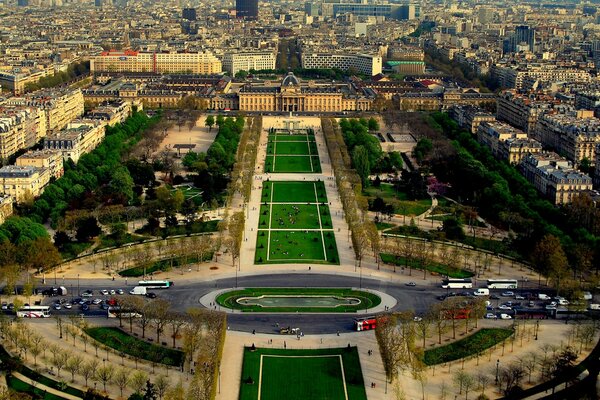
[{"x": 296, "y": 96}]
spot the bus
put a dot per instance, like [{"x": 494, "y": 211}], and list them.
[
  {"x": 455, "y": 283},
  {"x": 34, "y": 312},
  {"x": 365, "y": 324},
  {"x": 156, "y": 284},
  {"x": 502, "y": 283}
]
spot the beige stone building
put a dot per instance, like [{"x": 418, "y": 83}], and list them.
[
  {"x": 470, "y": 117},
  {"x": 20, "y": 128},
  {"x": 112, "y": 112},
  {"x": 43, "y": 159},
  {"x": 522, "y": 111},
  {"x": 554, "y": 177},
  {"x": 204, "y": 63},
  {"x": 80, "y": 137},
  {"x": 506, "y": 142},
  {"x": 6, "y": 208},
  {"x": 23, "y": 183},
  {"x": 293, "y": 96}
]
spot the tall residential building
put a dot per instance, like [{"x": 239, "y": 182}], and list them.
[
  {"x": 79, "y": 138},
  {"x": 204, "y": 63},
  {"x": 506, "y": 142},
  {"x": 189, "y": 14},
  {"x": 247, "y": 9},
  {"x": 20, "y": 128},
  {"x": 522, "y": 111},
  {"x": 49, "y": 159},
  {"x": 6, "y": 207},
  {"x": 311, "y": 9},
  {"x": 23, "y": 182},
  {"x": 233, "y": 62},
  {"x": 363, "y": 63}
]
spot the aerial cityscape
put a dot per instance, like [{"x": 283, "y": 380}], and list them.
[{"x": 317, "y": 200}]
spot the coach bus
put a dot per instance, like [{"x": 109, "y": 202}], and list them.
[
  {"x": 502, "y": 283},
  {"x": 455, "y": 283},
  {"x": 365, "y": 324},
  {"x": 155, "y": 284},
  {"x": 34, "y": 312}
]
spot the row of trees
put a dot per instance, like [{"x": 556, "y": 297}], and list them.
[
  {"x": 73, "y": 71},
  {"x": 364, "y": 233}
]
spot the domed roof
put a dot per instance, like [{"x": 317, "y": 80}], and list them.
[{"x": 290, "y": 80}]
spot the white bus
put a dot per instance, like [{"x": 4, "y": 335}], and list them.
[
  {"x": 502, "y": 283},
  {"x": 456, "y": 283},
  {"x": 34, "y": 312},
  {"x": 156, "y": 284}
]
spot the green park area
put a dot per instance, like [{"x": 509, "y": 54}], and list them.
[
  {"x": 433, "y": 267},
  {"x": 122, "y": 342},
  {"x": 295, "y": 224},
  {"x": 469, "y": 346},
  {"x": 325, "y": 300},
  {"x": 395, "y": 199},
  {"x": 295, "y": 152},
  {"x": 274, "y": 374}
]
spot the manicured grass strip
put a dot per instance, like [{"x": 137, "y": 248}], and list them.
[
  {"x": 163, "y": 265},
  {"x": 367, "y": 300},
  {"x": 469, "y": 346},
  {"x": 117, "y": 339},
  {"x": 302, "y": 374},
  {"x": 19, "y": 386},
  {"x": 6, "y": 359},
  {"x": 438, "y": 268},
  {"x": 294, "y": 192},
  {"x": 384, "y": 225},
  {"x": 296, "y": 247}
]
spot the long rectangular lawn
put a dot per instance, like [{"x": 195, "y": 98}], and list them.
[{"x": 275, "y": 374}]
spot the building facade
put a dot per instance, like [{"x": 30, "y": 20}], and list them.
[
  {"x": 23, "y": 183},
  {"x": 367, "y": 64},
  {"x": 79, "y": 138},
  {"x": 6, "y": 207},
  {"x": 203, "y": 63},
  {"x": 247, "y": 9},
  {"x": 43, "y": 159},
  {"x": 20, "y": 128},
  {"x": 233, "y": 62}
]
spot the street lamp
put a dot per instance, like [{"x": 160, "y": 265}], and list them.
[
  {"x": 537, "y": 328},
  {"x": 78, "y": 290},
  {"x": 497, "y": 369}
]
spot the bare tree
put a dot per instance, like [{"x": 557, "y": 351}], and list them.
[
  {"x": 88, "y": 370},
  {"x": 104, "y": 375},
  {"x": 138, "y": 381},
  {"x": 162, "y": 385},
  {"x": 121, "y": 379},
  {"x": 159, "y": 314},
  {"x": 74, "y": 365}
]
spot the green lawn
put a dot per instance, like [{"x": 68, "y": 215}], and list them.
[
  {"x": 384, "y": 225},
  {"x": 398, "y": 199},
  {"x": 471, "y": 345},
  {"x": 302, "y": 374},
  {"x": 438, "y": 268},
  {"x": 367, "y": 300},
  {"x": 281, "y": 137},
  {"x": 292, "y": 153},
  {"x": 117, "y": 339},
  {"x": 19, "y": 386},
  {"x": 295, "y": 216},
  {"x": 163, "y": 265},
  {"x": 294, "y": 192},
  {"x": 299, "y": 148},
  {"x": 296, "y": 247},
  {"x": 292, "y": 164}
]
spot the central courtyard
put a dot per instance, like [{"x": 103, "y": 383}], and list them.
[{"x": 295, "y": 224}]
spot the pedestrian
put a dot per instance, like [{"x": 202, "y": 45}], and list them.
[{"x": 284, "y": 345}]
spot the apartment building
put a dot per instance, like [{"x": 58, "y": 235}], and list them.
[
  {"x": 112, "y": 112},
  {"x": 51, "y": 160},
  {"x": 23, "y": 182},
  {"x": 364, "y": 63},
  {"x": 201, "y": 62},
  {"x": 526, "y": 76},
  {"x": 469, "y": 117},
  {"x": 20, "y": 128},
  {"x": 554, "y": 177},
  {"x": 506, "y": 142},
  {"x": 60, "y": 106},
  {"x": 16, "y": 81},
  {"x": 6, "y": 207},
  {"x": 522, "y": 111},
  {"x": 574, "y": 134},
  {"x": 233, "y": 62},
  {"x": 587, "y": 100},
  {"x": 80, "y": 137}
]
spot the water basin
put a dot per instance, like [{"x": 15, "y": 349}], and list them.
[{"x": 298, "y": 301}]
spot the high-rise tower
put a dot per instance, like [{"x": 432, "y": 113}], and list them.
[{"x": 247, "y": 9}]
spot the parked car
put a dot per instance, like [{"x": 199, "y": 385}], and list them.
[
  {"x": 519, "y": 297},
  {"x": 531, "y": 304},
  {"x": 411, "y": 284},
  {"x": 491, "y": 316},
  {"x": 87, "y": 293},
  {"x": 543, "y": 296},
  {"x": 508, "y": 294},
  {"x": 112, "y": 292},
  {"x": 504, "y": 307},
  {"x": 494, "y": 297},
  {"x": 67, "y": 306},
  {"x": 85, "y": 307},
  {"x": 151, "y": 295},
  {"x": 119, "y": 291},
  {"x": 505, "y": 316},
  {"x": 104, "y": 292},
  {"x": 4, "y": 306},
  {"x": 550, "y": 307},
  {"x": 57, "y": 306},
  {"x": 97, "y": 301}
]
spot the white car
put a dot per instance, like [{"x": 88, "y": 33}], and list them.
[
  {"x": 88, "y": 293},
  {"x": 563, "y": 302},
  {"x": 550, "y": 307},
  {"x": 508, "y": 294},
  {"x": 411, "y": 284},
  {"x": 519, "y": 297},
  {"x": 491, "y": 316},
  {"x": 104, "y": 292},
  {"x": 97, "y": 301},
  {"x": 119, "y": 291},
  {"x": 57, "y": 307},
  {"x": 504, "y": 307},
  {"x": 112, "y": 292},
  {"x": 505, "y": 316},
  {"x": 68, "y": 306}
]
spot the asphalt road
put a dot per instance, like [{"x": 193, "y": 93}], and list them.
[{"x": 184, "y": 296}]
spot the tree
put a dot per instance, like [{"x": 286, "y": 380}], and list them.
[
  {"x": 88, "y": 370},
  {"x": 87, "y": 228},
  {"x": 373, "y": 124},
  {"x": 360, "y": 160},
  {"x": 121, "y": 379},
  {"x": 162, "y": 385},
  {"x": 138, "y": 381},
  {"x": 210, "y": 121},
  {"x": 104, "y": 375},
  {"x": 160, "y": 313},
  {"x": 549, "y": 257},
  {"x": 74, "y": 365}
]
